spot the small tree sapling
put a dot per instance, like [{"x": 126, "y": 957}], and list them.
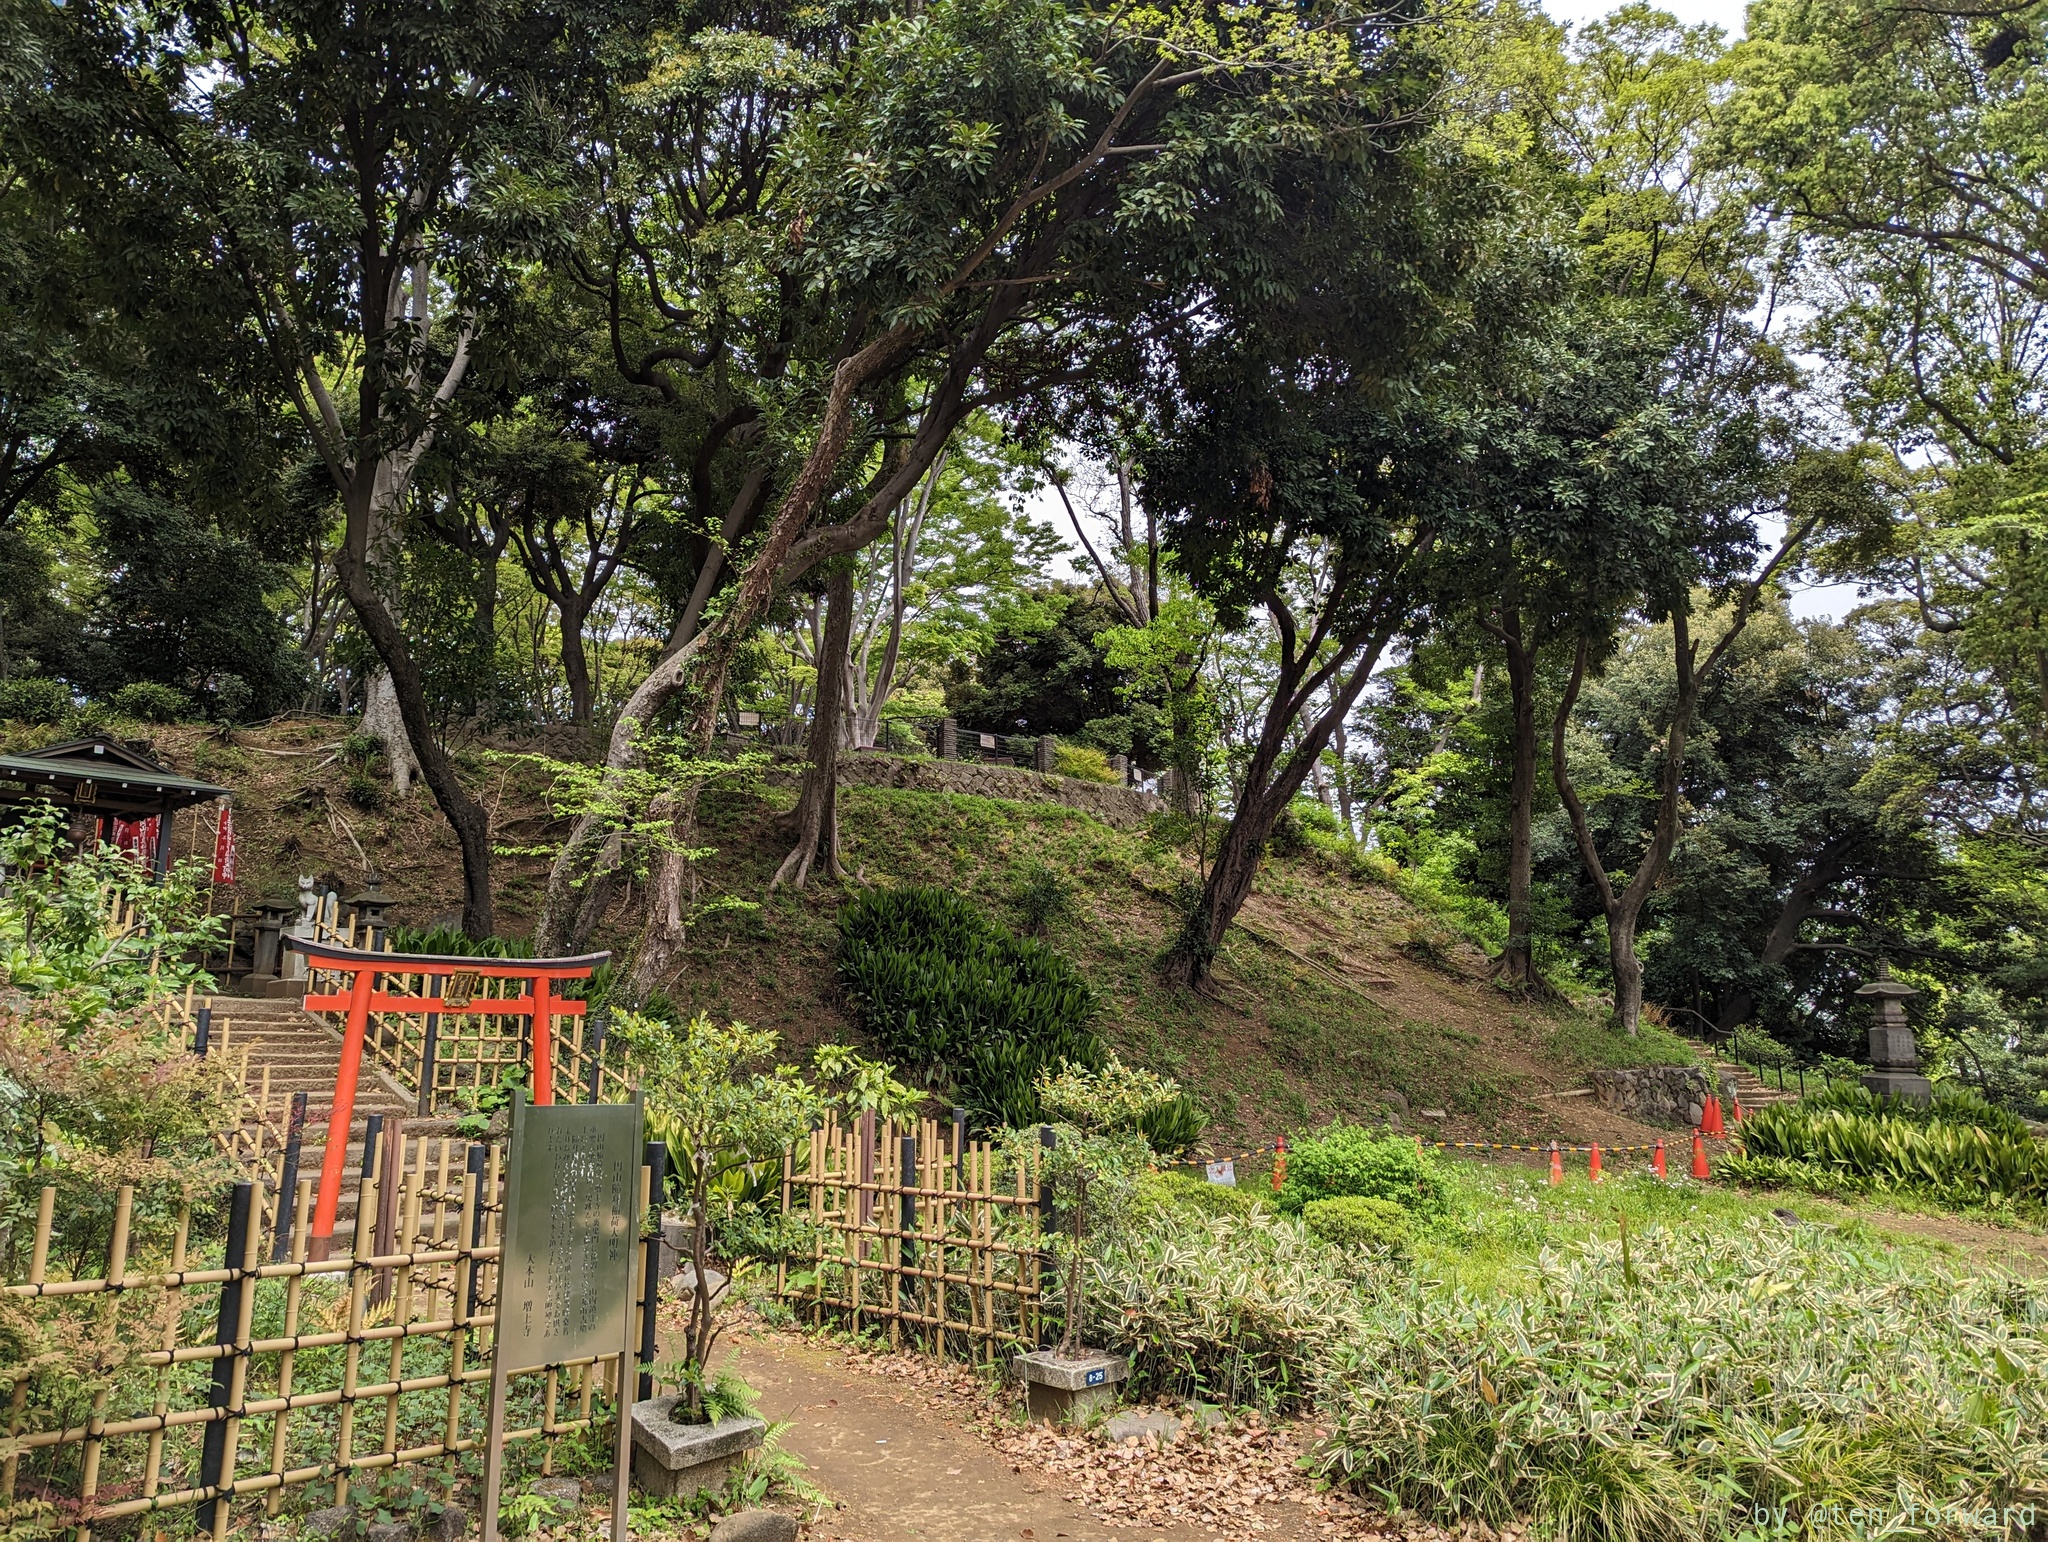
[
  {"x": 1094, "y": 1162},
  {"x": 716, "y": 1116}
]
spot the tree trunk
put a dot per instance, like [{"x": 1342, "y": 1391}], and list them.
[
  {"x": 1269, "y": 786},
  {"x": 1516, "y": 963},
  {"x": 384, "y": 722},
  {"x": 1627, "y": 968},
  {"x": 575, "y": 665},
  {"x": 408, "y": 691},
  {"x": 817, "y": 809},
  {"x": 1141, "y": 573}
]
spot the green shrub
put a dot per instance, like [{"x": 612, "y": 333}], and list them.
[
  {"x": 1347, "y": 1159},
  {"x": 366, "y": 792},
  {"x": 1042, "y": 897},
  {"x": 1174, "y": 1126},
  {"x": 149, "y": 702},
  {"x": 1755, "y": 1047},
  {"x": 33, "y": 699},
  {"x": 1668, "y": 1391},
  {"x": 948, "y": 993},
  {"x": 1183, "y": 1193},
  {"x": 1084, "y": 762},
  {"x": 359, "y": 750},
  {"x": 1353, "y": 1221}
]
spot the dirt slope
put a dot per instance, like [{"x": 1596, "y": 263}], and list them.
[{"x": 1336, "y": 998}]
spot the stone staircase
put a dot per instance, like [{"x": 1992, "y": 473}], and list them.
[
  {"x": 1751, "y": 1089},
  {"x": 302, "y": 1053}
]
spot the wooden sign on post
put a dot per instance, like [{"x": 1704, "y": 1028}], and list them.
[{"x": 566, "y": 1266}]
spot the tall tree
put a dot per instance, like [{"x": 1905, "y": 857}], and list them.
[
  {"x": 986, "y": 187},
  {"x": 367, "y": 177}
]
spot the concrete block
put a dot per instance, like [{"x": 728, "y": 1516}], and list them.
[
  {"x": 1069, "y": 1391},
  {"x": 672, "y": 1459}
]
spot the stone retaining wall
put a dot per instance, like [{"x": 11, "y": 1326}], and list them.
[
  {"x": 1122, "y": 807},
  {"x": 1673, "y": 1095}
]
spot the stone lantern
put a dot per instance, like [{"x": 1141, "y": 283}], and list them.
[
  {"x": 369, "y": 906},
  {"x": 1894, "y": 1058}
]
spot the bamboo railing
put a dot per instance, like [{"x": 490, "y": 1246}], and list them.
[
  {"x": 326, "y": 1372},
  {"x": 919, "y": 1231}
]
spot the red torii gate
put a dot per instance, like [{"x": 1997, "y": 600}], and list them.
[{"x": 540, "y": 1002}]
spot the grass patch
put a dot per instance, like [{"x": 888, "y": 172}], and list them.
[{"x": 1586, "y": 1040}]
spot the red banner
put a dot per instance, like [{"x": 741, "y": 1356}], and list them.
[
  {"x": 224, "y": 846},
  {"x": 137, "y": 837}
]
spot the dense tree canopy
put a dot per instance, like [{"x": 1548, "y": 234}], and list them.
[{"x": 1449, "y": 405}]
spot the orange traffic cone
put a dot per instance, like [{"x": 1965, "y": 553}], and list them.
[
  {"x": 1279, "y": 1162},
  {"x": 1699, "y": 1156},
  {"x": 1657, "y": 1161},
  {"x": 1735, "y": 1109},
  {"x": 1556, "y": 1164},
  {"x": 1593, "y": 1170},
  {"x": 1711, "y": 1125}
]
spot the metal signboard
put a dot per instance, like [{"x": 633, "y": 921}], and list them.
[{"x": 566, "y": 1262}]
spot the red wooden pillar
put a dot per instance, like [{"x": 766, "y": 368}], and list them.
[
  {"x": 543, "y": 1035},
  {"x": 336, "y": 1156}
]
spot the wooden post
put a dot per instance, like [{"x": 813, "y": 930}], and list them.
[{"x": 213, "y": 1452}]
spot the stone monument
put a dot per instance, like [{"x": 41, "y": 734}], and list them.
[{"x": 1894, "y": 1058}]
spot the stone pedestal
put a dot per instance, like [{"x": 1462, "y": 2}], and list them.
[
  {"x": 1069, "y": 1391},
  {"x": 1894, "y": 1057},
  {"x": 677, "y": 1460}
]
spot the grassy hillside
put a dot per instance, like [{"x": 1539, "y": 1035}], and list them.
[{"x": 1337, "y": 997}]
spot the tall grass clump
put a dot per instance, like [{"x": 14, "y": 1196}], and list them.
[
  {"x": 947, "y": 992},
  {"x": 1959, "y": 1149},
  {"x": 1235, "y": 1309},
  {"x": 1671, "y": 1389}
]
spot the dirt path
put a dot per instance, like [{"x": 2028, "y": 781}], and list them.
[{"x": 901, "y": 1470}]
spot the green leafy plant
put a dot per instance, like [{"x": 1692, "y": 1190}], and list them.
[
  {"x": 1958, "y": 1149},
  {"x": 484, "y": 1103},
  {"x": 1084, "y": 762},
  {"x": 1174, "y": 1126},
  {"x": 1171, "y": 1194},
  {"x": 1232, "y": 1308},
  {"x": 1354, "y": 1220},
  {"x": 1094, "y": 1163},
  {"x": 1042, "y": 897},
  {"x": 858, "y": 1085},
  {"x": 149, "y": 702},
  {"x": 34, "y": 699},
  {"x": 1795, "y": 1371},
  {"x": 366, "y": 792},
  {"x": 717, "y": 1117},
  {"x": 953, "y": 996},
  {"x": 1351, "y": 1160},
  {"x": 56, "y": 935}
]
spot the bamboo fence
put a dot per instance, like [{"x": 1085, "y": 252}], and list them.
[
  {"x": 213, "y": 1384},
  {"x": 919, "y": 1232}
]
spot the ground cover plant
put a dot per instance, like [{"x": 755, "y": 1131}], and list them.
[
  {"x": 1631, "y": 1360},
  {"x": 951, "y": 995},
  {"x": 1660, "y": 1388},
  {"x": 1957, "y": 1150}
]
